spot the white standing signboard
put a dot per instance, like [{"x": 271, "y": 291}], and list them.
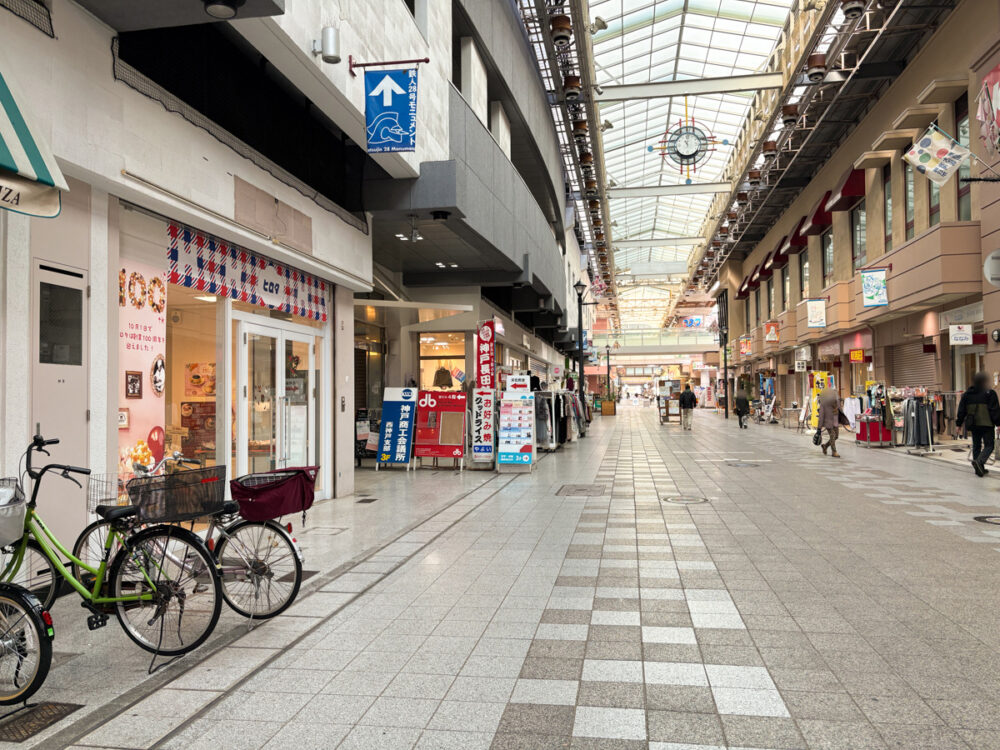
[{"x": 516, "y": 436}]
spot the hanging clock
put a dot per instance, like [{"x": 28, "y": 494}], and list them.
[{"x": 687, "y": 145}]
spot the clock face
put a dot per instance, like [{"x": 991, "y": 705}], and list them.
[{"x": 688, "y": 145}]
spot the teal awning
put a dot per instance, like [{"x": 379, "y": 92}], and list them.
[
  {"x": 22, "y": 150},
  {"x": 29, "y": 176}
]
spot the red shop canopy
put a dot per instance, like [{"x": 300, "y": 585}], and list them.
[
  {"x": 818, "y": 219},
  {"x": 777, "y": 259},
  {"x": 850, "y": 188}
]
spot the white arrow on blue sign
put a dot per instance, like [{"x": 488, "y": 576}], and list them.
[{"x": 391, "y": 110}]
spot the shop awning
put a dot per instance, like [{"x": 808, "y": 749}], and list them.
[
  {"x": 849, "y": 189},
  {"x": 818, "y": 219},
  {"x": 744, "y": 289},
  {"x": 797, "y": 240},
  {"x": 30, "y": 179},
  {"x": 777, "y": 259},
  {"x": 765, "y": 271},
  {"x": 754, "y": 277}
]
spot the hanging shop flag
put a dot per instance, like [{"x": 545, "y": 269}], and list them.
[
  {"x": 516, "y": 436},
  {"x": 483, "y": 415},
  {"x": 396, "y": 432},
  {"x": 816, "y": 313},
  {"x": 874, "y": 288},
  {"x": 937, "y": 156},
  {"x": 988, "y": 111},
  {"x": 440, "y": 425},
  {"x": 960, "y": 335},
  {"x": 486, "y": 365},
  {"x": 210, "y": 265},
  {"x": 857, "y": 355},
  {"x": 391, "y": 110},
  {"x": 771, "y": 333}
]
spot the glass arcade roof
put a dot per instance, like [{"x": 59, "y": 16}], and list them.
[{"x": 654, "y": 41}]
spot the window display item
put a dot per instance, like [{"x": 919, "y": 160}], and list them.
[{"x": 442, "y": 378}]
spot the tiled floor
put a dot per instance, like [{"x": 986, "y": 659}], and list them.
[{"x": 810, "y": 603}]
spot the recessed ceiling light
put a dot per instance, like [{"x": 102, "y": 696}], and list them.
[
  {"x": 454, "y": 265},
  {"x": 223, "y": 9}
]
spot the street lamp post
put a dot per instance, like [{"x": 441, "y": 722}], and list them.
[
  {"x": 580, "y": 288},
  {"x": 610, "y": 398},
  {"x": 724, "y": 338}
]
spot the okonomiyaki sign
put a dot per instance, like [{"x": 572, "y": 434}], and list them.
[{"x": 210, "y": 265}]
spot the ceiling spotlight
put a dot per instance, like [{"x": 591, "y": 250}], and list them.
[
  {"x": 599, "y": 24},
  {"x": 607, "y": 125},
  {"x": 223, "y": 10},
  {"x": 599, "y": 90}
]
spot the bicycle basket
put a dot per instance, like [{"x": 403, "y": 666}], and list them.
[
  {"x": 13, "y": 506},
  {"x": 179, "y": 497},
  {"x": 106, "y": 489},
  {"x": 273, "y": 494}
]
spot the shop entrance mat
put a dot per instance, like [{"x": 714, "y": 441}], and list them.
[
  {"x": 585, "y": 490},
  {"x": 28, "y": 722}
]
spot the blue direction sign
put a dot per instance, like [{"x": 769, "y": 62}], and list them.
[{"x": 391, "y": 110}]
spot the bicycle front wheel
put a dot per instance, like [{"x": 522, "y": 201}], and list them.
[
  {"x": 261, "y": 570},
  {"x": 176, "y": 574},
  {"x": 25, "y": 645}
]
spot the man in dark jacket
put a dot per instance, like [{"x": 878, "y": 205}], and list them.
[
  {"x": 688, "y": 402},
  {"x": 741, "y": 407},
  {"x": 979, "y": 411}
]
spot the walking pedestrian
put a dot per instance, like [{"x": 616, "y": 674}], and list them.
[
  {"x": 829, "y": 419},
  {"x": 979, "y": 412},
  {"x": 741, "y": 407},
  {"x": 688, "y": 402}
]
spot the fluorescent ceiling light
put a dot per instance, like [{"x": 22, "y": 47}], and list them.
[{"x": 206, "y": 297}]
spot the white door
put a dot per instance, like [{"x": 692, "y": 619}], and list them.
[
  {"x": 59, "y": 400},
  {"x": 276, "y": 385}
]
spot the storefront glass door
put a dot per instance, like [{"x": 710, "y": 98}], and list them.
[{"x": 276, "y": 395}]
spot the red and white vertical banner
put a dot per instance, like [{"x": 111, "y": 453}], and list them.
[
  {"x": 483, "y": 420},
  {"x": 486, "y": 370}
]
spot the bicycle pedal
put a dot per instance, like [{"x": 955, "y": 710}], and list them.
[{"x": 97, "y": 621}]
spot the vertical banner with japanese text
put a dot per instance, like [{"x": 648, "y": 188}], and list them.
[
  {"x": 483, "y": 418},
  {"x": 142, "y": 366},
  {"x": 486, "y": 355},
  {"x": 399, "y": 406}
]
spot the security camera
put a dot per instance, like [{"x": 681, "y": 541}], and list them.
[{"x": 328, "y": 45}]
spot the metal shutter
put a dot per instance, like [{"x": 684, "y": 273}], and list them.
[
  {"x": 539, "y": 368},
  {"x": 912, "y": 367}
]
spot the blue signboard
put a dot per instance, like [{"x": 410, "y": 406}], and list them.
[
  {"x": 391, "y": 110},
  {"x": 395, "y": 437}
]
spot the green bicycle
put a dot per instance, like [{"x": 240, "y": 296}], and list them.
[{"x": 162, "y": 583}]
